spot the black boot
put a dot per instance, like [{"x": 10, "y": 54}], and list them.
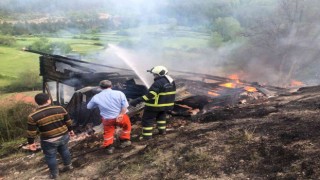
[{"x": 162, "y": 132}]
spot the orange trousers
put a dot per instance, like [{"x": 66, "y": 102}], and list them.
[{"x": 110, "y": 125}]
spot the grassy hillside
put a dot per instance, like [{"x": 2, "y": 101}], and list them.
[
  {"x": 14, "y": 61},
  {"x": 276, "y": 139}
]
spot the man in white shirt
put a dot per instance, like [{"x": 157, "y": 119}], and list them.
[{"x": 113, "y": 108}]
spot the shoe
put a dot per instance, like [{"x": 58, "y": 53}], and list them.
[
  {"x": 125, "y": 143},
  {"x": 53, "y": 176},
  {"x": 67, "y": 168},
  {"x": 145, "y": 138},
  {"x": 162, "y": 132},
  {"x": 109, "y": 149}
]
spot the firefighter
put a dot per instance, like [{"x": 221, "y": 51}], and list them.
[{"x": 158, "y": 101}]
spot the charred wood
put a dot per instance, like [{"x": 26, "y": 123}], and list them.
[{"x": 235, "y": 113}]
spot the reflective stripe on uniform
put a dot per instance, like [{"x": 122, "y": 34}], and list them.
[
  {"x": 167, "y": 93},
  {"x": 159, "y": 105},
  {"x": 157, "y": 97},
  {"x": 106, "y": 139},
  {"x": 147, "y": 134},
  {"x": 147, "y": 128},
  {"x": 161, "y": 127},
  {"x": 164, "y": 94},
  {"x": 154, "y": 93},
  {"x": 145, "y": 98},
  {"x": 161, "y": 122}
]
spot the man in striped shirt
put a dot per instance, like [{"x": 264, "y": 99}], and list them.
[{"x": 54, "y": 126}]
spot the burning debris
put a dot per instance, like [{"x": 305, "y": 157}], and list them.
[{"x": 214, "y": 92}]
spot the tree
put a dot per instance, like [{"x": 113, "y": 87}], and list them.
[
  {"x": 216, "y": 40},
  {"x": 228, "y": 27},
  {"x": 45, "y": 46},
  {"x": 42, "y": 45},
  {"x": 284, "y": 44}
]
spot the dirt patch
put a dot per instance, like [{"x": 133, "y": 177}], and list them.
[{"x": 26, "y": 97}]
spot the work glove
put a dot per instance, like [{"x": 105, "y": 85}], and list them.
[{"x": 135, "y": 102}]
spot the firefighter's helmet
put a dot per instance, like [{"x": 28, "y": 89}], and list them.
[{"x": 158, "y": 70}]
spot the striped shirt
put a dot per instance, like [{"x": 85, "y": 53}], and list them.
[{"x": 51, "y": 121}]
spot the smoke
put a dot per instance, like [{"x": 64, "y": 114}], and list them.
[
  {"x": 283, "y": 47},
  {"x": 205, "y": 61},
  {"x": 277, "y": 41}
]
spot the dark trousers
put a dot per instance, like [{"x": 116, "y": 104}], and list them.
[
  {"x": 50, "y": 150},
  {"x": 149, "y": 118}
]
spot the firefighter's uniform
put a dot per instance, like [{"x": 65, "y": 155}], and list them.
[{"x": 158, "y": 101}]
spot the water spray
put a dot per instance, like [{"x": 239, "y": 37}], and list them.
[{"x": 129, "y": 59}]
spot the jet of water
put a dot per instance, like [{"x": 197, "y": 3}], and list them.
[{"x": 129, "y": 59}]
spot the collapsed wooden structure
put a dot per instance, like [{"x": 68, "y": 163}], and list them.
[{"x": 72, "y": 83}]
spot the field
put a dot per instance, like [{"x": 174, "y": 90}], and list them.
[{"x": 14, "y": 61}]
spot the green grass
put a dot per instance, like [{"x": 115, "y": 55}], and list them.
[
  {"x": 13, "y": 120},
  {"x": 12, "y": 146},
  {"x": 178, "y": 37},
  {"x": 85, "y": 48},
  {"x": 185, "y": 43},
  {"x": 14, "y": 61}
]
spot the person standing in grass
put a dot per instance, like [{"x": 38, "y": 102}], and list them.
[
  {"x": 54, "y": 126},
  {"x": 113, "y": 108}
]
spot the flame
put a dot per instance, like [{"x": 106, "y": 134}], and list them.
[
  {"x": 234, "y": 76},
  {"x": 295, "y": 83},
  {"x": 234, "y": 84},
  {"x": 229, "y": 85},
  {"x": 250, "y": 89},
  {"x": 213, "y": 93}
]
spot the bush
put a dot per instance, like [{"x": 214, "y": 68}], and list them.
[
  {"x": 60, "y": 48},
  {"x": 7, "y": 41},
  {"x": 228, "y": 27},
  {"x": 9, "y": 147},
  {"x": 13, "y": 120},
  {"x": 26, "y": 81},
  {"x": 45, "y": 46},
  {"x": 3, "y": 76},
  {"x": 41, "y": 45},
  {"x": 216, "y": 40},
  {"x": 98, "y": 44}
]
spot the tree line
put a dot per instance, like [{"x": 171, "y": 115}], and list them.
[
  {"x": 278, "y": 38},
  {"x": 81, "y": 14},
  {"x": 92, "y": 25}
]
